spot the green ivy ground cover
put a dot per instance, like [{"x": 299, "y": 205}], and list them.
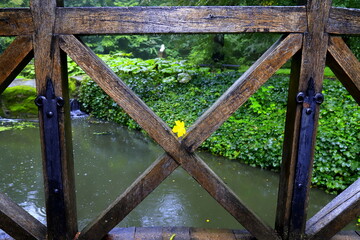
[{"x": 254, "y": 133}]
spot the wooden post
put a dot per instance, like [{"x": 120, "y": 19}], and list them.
[
  {"x": 310, "y": 65},
  {"x": 50, "y": 65}
]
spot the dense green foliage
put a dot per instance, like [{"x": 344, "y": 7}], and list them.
[{"x": 254, "y": 133}]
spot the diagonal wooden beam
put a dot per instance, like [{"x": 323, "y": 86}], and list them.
[
  {"x": 128, "y": 200},
  {"x": 118, "y": 91},
  {"x": 18, "y": 223},
  {"x": 345, "y": 66},
  {"x": 14, "y": 59},
  {"x": 161, "y": 133},
  {"x": 215, "y": 186},
  {"x": 335, "y": 215},
  {"x": 242, "y": 89}
]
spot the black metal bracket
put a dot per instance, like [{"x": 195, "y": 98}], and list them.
[
  {"x": 309, "y": 101},
  {"x": 50, "y": 105}
]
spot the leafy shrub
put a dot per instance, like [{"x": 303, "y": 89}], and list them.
[{"x": 254, "y": 133}]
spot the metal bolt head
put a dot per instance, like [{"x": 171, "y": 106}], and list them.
[
  {"x": 300, "y": 97},
  {"x": 319, "y": 98},
  {"x": 50, "y": 114},
  {"x": 308, "y": 111}
]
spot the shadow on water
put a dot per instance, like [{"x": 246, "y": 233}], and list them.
[{"x": 108, "y": 158}]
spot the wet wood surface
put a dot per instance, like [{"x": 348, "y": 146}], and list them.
[
  {"x": 343, "y": 21},
  {"x": 45, "y": 20},
  {"x": 50, "y": 64},
  {"x": 310, "y": 64},
  {"x": 188, "y": 233},
  {"x": 16, "y": 21},
  {"x": 335, "y": 215},
  {"x": 162, "y": 134},
  {"x": 180, "y": 20},
  {"x": 18, "y": 223}
]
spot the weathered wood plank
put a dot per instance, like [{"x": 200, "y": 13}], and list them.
[
  {"x": 243, "y": 235},
  {"x": 15, "y": 21},
  {"x": 127, "y": 201},
  {"x": 213, "y": 234},
  {"x": 121, "y": 234},
  {"x": 153, "y": 233},
  {"x": 289, "y": 153},
  {"x": 139, "y": 20},
  {"x": 161, "y": 133},
  {"x": 181, "y": 233},
  {"x": 345, "y": 66},
  {"x": 50, "y": 63},
  {"x": 19, "y": 224},
  {"x": 240, "y": 19},
  {"x": 312, "y": 67},
  {"x": 344, "y": 21},
  {"x": 335, "y": 215},
  {"x": 346, "y": 235},
  {"x": 242, "y": 89},
  {"x": 14, "y": 59}
]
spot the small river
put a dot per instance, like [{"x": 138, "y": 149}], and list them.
[{"x": 109, "y": 157}]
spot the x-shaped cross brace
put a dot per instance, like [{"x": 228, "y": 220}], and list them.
[{"x": 180, "y": 152}]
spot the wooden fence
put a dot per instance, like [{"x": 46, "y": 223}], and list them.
[{"x": 311, "y": 38}]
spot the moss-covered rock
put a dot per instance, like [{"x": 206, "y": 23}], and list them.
[{"x": 18, "y": 102}]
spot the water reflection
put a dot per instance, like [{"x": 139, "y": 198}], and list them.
[{"x": 108, "y": 158}]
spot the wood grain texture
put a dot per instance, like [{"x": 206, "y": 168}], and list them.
[
  {"x": 140, "y": 20},
  {"x": 213, "y": 234},
  {"x": 19, "y": 224},
  {"x": 335, "y": 215},
  {"x": 162, "y": 134},
  {"x": 310, "y": 64},
  {"x": 314, "y": 50},
  {"x": 50, "y": 63},
  {"x": 179, "y": 20},
  {"x": 242, "y": 89},
  {"x": 345, "y": 66},
  {"x": 16, "y": 21},
  {"x": 181, "y": 233},
  {"x": 289, "y": 152},
  {"x": 344, "y": 21},
  {"x": 121, "y": 234},
  {"x": 13, "y": 60},
  {"x": 154, "y": 233}
]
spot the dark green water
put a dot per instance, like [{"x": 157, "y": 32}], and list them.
[{"x": 108, "y": 158}]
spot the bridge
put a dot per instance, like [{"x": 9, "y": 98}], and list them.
[{"x": 312, "y": 37}]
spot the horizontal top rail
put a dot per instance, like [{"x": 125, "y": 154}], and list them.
[{"x": 167, "y": 20}]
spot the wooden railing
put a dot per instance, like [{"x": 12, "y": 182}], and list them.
[{"x": 47, "y": 32}]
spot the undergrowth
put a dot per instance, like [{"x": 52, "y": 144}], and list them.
[{"x": 254, "y": 133}]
